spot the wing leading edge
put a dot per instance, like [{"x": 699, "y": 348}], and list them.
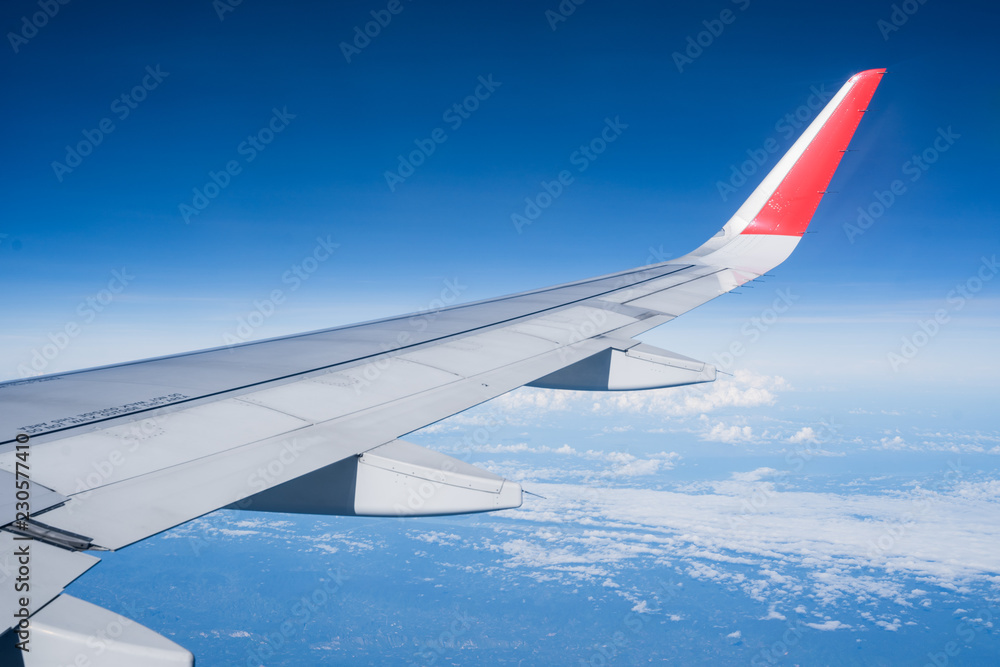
[{"x": 313, "y": 422}]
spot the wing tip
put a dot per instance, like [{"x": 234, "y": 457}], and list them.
[
  {"x": 867, "y": 75},
  {"x": 792, "y": 203}
]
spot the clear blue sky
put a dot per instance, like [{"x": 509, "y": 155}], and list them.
[{"x": 219, "y": 81}]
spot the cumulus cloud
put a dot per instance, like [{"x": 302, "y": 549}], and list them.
[
  {"x": 754, "y": 475},
  {"x": 626, "y": 465},
  {"x": 728, "y": 434},
  {"x": 895, "y": 442},
  {"x": 985, "y": 491},
  {"x": 618, "y": 464},
  {"x": 803, "y": 436},
  {"x": 435, "y": 537},
  {"x": 828, "y": 625},
  {"x": 958, "y": 443},
  {"x": 810, "y": 452}
]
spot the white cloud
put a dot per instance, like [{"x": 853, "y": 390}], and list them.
[
  {"x": 957, "y": 443},
  {"x": 435, "y": 537},
  {"x": 618, "y": 464},
  {"x": 810, "y": 452},
  {"x": 828, "y": 625},
  {"x": 987, "y": 491},
  {"x": 754, "y": 475},
  {"x": 728, "y": 434},
  {"x": 516, "y": 449},
  {"x": 804, "y": 435},
  {"x": 712, "y": 536},
  {"x": 894, "y": 443},
  {"x": 744, "y": 390}
]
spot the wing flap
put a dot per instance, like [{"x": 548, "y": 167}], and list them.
[
  {"x": 403, "y": 479},
  {"x": 398, "y": 478},
  {"x": 70, "y": 631},
  {"x": 629, "y": 367}
]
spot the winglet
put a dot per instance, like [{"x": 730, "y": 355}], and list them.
[{"x": 785, "y": 201}]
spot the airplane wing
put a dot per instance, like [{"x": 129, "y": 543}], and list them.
[{"x": 314, "y": 422}]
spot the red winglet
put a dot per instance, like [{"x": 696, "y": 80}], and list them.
[{"x": 791, "y": 207}]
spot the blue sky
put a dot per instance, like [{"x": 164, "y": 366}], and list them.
[{"x": 656, "y": 188}]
